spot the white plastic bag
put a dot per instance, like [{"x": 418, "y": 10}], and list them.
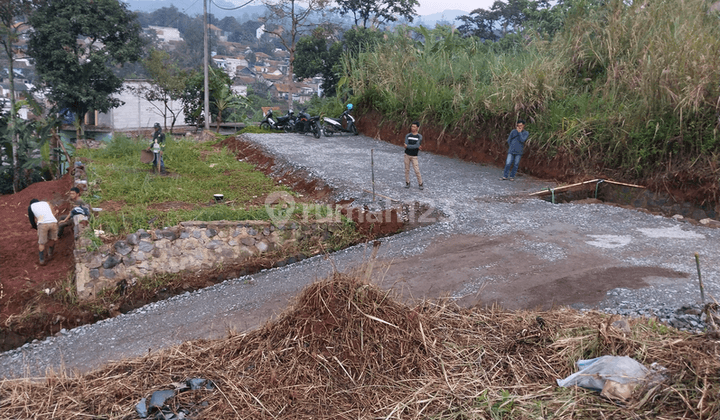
[{"x": 595, "y": 372}]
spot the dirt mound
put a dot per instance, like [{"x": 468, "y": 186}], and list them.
[
  {"x": 22, "y": 277},
  {"x": 348, "y": 350}
]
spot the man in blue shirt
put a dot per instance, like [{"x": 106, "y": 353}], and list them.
[{"x": 516, "y": 141}]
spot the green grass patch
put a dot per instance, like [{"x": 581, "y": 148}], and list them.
[{"x": 196, "y": 171}]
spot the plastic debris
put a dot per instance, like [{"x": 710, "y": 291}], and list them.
[
  {"x": 615, "y": 376},
  {"x": 141, "y": 408},
  {"x": 158, "y": 397}
]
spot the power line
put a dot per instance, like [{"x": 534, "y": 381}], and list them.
[{"x": 230, "y": 8}]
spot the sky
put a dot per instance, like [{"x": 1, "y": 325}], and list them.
[{"x": 428, "y": 7}]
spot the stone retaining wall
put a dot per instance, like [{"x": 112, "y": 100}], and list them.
[{"x": 189, "y": 246}]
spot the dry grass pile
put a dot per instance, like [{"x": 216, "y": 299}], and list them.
[{"x": 348, "y": 350}]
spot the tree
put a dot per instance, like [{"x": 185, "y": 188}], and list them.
[
  {"x": 514, "y": 16},
  {"x": 314, "y": 56},
  {"x": 75, "y": 44},
  {"x": 298, "y": 21},
  {"x": 10, "y": 29},
  {"x": 381, "y": 11},
  {"x": 225, "y": 99},
  {"x": 194, "y": 94},
  {"x": 167, "y": 83},
  {"x": 30, "y": 135}
]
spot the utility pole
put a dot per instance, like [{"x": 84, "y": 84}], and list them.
[{"x": 205, "y": 66}]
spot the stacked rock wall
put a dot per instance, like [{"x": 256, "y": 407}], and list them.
[{"x": 189, "y": 246}]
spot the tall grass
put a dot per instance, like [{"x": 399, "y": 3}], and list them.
[{"x": 629, "y": 85}]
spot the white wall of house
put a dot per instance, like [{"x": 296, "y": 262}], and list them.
[
  {"x": 137, "y": 112},
  {"x": 166, "y": 34},
  {"x": 240, "y": 90}
]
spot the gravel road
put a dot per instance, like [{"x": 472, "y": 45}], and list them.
[{"x": 641, "y": 264}]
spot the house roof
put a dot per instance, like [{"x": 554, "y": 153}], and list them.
[
  {"x": 285, "y": 88},
  {"x": 269, "y": 76},
  {"x": 244, "y": 80}
]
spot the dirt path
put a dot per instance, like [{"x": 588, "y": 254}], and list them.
[{"x": 492, "y": 244}]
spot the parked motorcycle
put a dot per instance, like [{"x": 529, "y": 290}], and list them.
[
  {"x": 307, "y": 124},
  {"x": 335, "y": 125},
  {"x": 278, "y": 123}
]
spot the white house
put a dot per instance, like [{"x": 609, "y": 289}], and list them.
[
  {"x": 137, "y": 112},
  {"x": 166, "y": 34}
]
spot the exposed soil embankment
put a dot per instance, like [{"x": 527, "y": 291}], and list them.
[{"x": 694, "y": 180}]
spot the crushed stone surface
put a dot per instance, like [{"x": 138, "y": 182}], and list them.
[{"x": 528, "y": 236}]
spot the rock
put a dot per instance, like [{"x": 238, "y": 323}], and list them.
[
  {"x": 678, "y": 217},
  {"x": 96, "y": 262},
  {"x": 132, "y": 239},
  {"x": 111, "y": 261},
  {"x": 214, "y": 244},
  {"x": 123, "y": 248},
  {"x": 110, "y": 274},
  {"x": 166, "y": 234},
  {"x": 262, "y": 246},
  {"x": 252, "y": 232},
  {"x": 623, "y": 325},
  {"x": 146, "y": 246},
  {"x": 210, "y": 232},
  {"x": 248, "y": 241}
]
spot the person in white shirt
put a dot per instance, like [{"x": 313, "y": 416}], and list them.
[{"x": 42, "y": 218}]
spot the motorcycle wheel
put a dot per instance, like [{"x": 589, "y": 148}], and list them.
[
  {"x": 327, "y": 132},
  {"x": 265, "y": 126},
  {"x": 288, "y": 129},
  {"x": 355, "y": 130},
  {"x": 316, "y": 130}
]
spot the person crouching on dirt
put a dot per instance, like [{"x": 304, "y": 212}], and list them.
[
  {"x": 79, "y": 213},
  {"x": 157, "y": 147},
  {"x": 42, "y": 218}
]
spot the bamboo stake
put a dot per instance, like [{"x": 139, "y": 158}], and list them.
[
  {"x": 702, "y": 291},
  {"x": 564, "y": 187},
  {"x": 624, "y": 184}
]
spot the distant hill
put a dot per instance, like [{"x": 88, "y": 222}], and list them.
[
  {"x": 445, "y": 16},
  {"x": 196, "y": 8},
  {"x": 251, "y": 12}
]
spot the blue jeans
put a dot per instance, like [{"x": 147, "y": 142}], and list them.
[{"x": 512, "y": 161}]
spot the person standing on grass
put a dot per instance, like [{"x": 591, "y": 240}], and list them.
[
  {"x": 42, "y": 218},
  {"x": 412, "y": 145},
  {"x": 157, "y": 147},
  {"x": 516, "y": 140}
]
